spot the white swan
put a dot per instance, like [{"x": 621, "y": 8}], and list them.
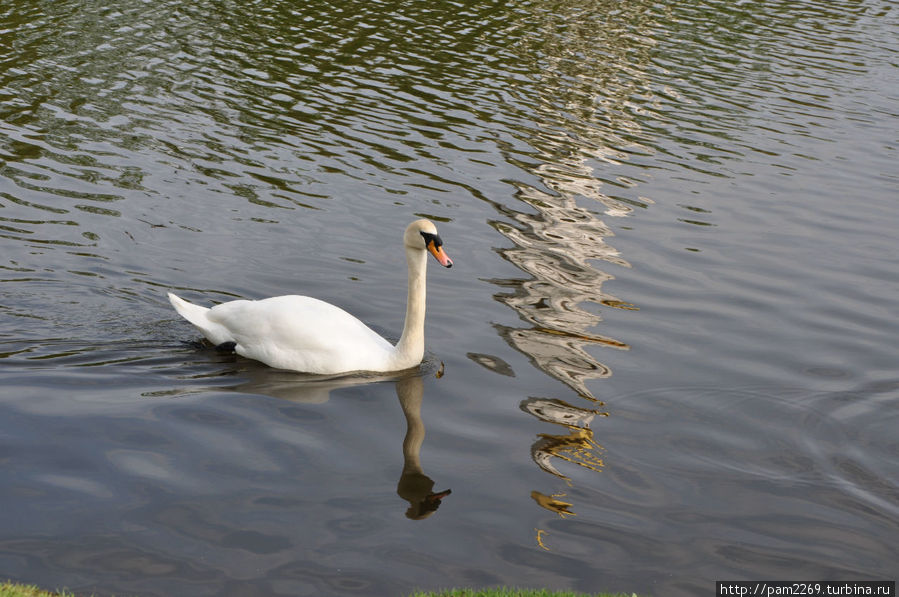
[{"x": 305, "y": 334}]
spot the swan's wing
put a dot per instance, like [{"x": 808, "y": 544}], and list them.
[{"x": 301, "y": 333}]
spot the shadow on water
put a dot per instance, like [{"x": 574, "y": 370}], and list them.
[
  {"x": 255, "y": 378},
  {"x": 195, "y": 476}
]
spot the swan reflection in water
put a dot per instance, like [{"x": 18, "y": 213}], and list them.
[{"x": 414, "y": 485}]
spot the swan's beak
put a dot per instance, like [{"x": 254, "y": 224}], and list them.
[
  {"x": 436, "y": 497},
  {"x": 437, "y": 251}
]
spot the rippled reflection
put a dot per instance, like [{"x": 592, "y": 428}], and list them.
[
  {"x": 585, "y": 121},
  {"x": 414, "y": 485},
  {"x": 553, "y": 503},
  {"x": 577, "y": 447},
  {"x": 147, "y": 143},
  {"x": 554, "y": 247}
]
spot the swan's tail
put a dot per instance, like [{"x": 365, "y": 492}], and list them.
[{"x": 198, "y": 316}]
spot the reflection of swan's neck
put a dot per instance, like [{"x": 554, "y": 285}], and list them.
[
  {"x": 410, "y": 392},
  {"x": 411, "y": 347},
  {"x": 414, "y": 486}
]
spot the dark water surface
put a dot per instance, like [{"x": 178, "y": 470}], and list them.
[{"x": 669, "y": 344}]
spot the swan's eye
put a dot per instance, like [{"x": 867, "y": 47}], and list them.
[{"x": 432, "y": 238}]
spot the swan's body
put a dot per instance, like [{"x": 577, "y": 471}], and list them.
[{"x": 302, "y": 333}]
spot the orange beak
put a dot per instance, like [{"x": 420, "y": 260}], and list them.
[{"x": 438, "y": 253}]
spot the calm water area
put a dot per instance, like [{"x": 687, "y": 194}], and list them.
[{"x": 668, "y": 352}]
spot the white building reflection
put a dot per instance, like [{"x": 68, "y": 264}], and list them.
[
  {"x": 555, "y": 246},
  {"x": 587, "y": 126}
]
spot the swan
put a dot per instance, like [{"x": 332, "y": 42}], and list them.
[{"x": 305, "y": 334}]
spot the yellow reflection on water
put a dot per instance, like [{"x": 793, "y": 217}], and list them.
[
  {"x": 540, "y": 533},
  {"x": 577, "y": 447},
  {"x": 553, "y": 503}
]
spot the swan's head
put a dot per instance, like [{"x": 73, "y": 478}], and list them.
[{"x": 422, "y": 235}]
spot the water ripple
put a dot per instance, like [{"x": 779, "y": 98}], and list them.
[{"x": 217, "y": 146}]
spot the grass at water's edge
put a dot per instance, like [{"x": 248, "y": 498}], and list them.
[
  {"x": 8, "y": 589},
  {"x": 507, "y": 592}
]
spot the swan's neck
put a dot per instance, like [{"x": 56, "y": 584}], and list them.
[{"x": 411, "y": 347}]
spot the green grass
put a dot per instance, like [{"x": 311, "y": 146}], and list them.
[
  {"x": 8, "y": 589},
  {"x": 507, "y": 592}
]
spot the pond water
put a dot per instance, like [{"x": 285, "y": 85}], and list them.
[{"x": 666, "y": 354}]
